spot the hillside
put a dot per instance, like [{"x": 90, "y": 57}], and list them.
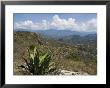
[{"x": 66, "y": 56}]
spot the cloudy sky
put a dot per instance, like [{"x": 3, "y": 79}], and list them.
[{"x": 86, "y": 22}]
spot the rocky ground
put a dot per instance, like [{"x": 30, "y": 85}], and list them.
[{"x": 65, "y": 72}]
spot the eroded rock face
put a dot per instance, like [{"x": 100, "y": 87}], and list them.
[{"x": 65, "y": 72}]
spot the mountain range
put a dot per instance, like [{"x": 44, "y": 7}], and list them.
[{"x": 54, "y": 33}]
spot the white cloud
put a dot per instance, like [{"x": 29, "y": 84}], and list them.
[
  {"x": 59, "y": 24},
  {"x": 88, "y": 26},
  {"x": 62, "y": 24},
  {"x": 28, "y": 24}
]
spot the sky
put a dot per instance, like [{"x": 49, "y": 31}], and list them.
[{"x": 86, "y": 22}]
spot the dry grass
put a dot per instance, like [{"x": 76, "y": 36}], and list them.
[{"x": 68, "y": 64}]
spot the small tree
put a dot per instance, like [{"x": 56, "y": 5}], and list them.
[{"x": 38, "y": 64}]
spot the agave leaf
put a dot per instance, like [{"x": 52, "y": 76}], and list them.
[
  {"x": 47, "y": 61},
  {"x": 35, "y": 50},
  {"x": 28, "y": 66},
  {"x": 36, "y": 64},
  {"x": 37, "y": 53},
  {"x": 51, "y": 64},
  {"x": 36, "y": 60},
  {"x": 31, "y": 61},
  {"x": 42, "y": 58},
  {"x": 32, "y": 56}
]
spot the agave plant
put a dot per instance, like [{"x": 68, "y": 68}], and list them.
[{"x": 38, "y": 63}]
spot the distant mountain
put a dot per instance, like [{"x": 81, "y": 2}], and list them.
[
  {"x": 61, "y": 33},
  {"x": 77, "y": 39},
  {"x": 57, "y": 33}
]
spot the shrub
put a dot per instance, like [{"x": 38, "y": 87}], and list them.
[{"x": 38, "y": 63}]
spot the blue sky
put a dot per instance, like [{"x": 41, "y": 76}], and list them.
[{"x": 60, "y": 21}]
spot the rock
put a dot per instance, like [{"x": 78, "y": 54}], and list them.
[{"x": 66, "y": 72}]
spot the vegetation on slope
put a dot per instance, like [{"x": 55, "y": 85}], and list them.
[
  {"x": 65, "y": 56},
  {"x": 38, "y": 63}
]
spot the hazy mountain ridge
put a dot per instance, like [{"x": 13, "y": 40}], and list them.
[
  {"x": 77, "y": 39},
  {"x": 54, "y": 33}
]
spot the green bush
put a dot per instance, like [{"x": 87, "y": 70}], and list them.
[{"x": 38, "y": 63}]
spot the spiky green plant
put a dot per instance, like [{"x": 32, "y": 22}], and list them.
[{"x": 38, "y": 63}]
